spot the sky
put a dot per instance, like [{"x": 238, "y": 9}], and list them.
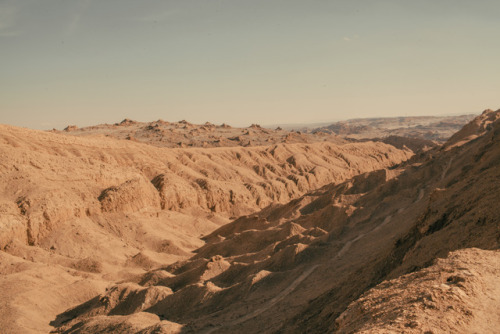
[{"x": 86, "y": 62}]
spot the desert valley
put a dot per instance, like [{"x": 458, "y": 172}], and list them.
[
  {"x": 241, "y": 167},
  {"x": 381, "y": 225}
]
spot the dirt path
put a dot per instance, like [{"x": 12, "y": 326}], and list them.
[
  {"x": 420, "y": 195},
  {"x": 446, "y": 169}
]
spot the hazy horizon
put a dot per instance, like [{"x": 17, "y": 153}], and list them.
[{"x": 86, "y": 62}]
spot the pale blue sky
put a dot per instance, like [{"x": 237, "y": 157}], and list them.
[{"x": 86, "y": 62}]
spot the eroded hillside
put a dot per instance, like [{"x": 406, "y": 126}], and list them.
[
  {"x": 296, "y": 267},
  {"x": 80, "y": 213}
]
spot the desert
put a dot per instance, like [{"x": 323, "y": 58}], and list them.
[
  {"x": 103, "y": 234},
  {"x": 250, "y": 166}
]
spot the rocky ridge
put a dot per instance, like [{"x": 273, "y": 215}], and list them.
[{"x": 183, "y": 134}]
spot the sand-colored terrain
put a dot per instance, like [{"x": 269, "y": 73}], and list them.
[
  {"x": 457, "y": 294},
  {"x": 103, "y": 234},
  {"x": 79, "y": 214},
  {"x": 421, "y": 130},
  {"x": 307, "y": 265}
]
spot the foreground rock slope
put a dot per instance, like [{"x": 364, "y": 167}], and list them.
[
  {"x": 308, "y": 265},
  {"x": 457, "y": 294}
]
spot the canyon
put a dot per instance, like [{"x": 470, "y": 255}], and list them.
[{"x": 179, "y": 228}]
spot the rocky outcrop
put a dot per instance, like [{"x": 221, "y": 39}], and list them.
[
  {"x": 131, "y": 196},
  {"x": 475, "y": 128},
  {"x": 458, "y": 294}
]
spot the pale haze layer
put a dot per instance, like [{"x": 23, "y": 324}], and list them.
[{"x": 85, "y": 62}]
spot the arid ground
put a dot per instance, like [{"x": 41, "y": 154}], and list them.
[{"x": 365, "y": 226}]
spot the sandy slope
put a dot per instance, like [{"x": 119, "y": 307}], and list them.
[
  {"x": 296, "y": 267},
  {"x": 77, "y": 214}
]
